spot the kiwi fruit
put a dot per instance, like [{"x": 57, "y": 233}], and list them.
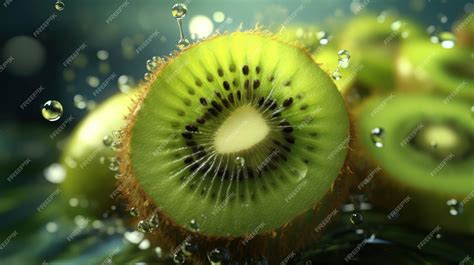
[
  {"x": 464, "y": 30},
  {"x": 425, "y": 66},
  {"x": 238, "y": 142},
  {"x": 308, "y": 36},
  {"x": 376, "y": 40},
  {"x": 89, "y": 181},
  {"x": 421, "y": 151}
]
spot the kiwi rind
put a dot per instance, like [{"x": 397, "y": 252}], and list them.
[
  {"x": 87, "y": 178},
  {"x": 428, "y": 67},
  {"x": 406, "y": 172},
  {"x": 269, "y": 238},
  {"x": 377, "y": 45}
]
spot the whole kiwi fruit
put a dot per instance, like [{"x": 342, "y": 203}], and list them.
[{"x": 237, "y": 146}]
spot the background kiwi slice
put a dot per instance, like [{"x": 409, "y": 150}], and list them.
[
  {"x": 464, "y": 30},
  {"x": 424, "y": 149},
  {"x": 236, "y": 138},
  {"x": 86, "y": 158},
  {"x": 425, "y": 66},
  {"x": 376, "y": 41},
  {"x": 308, "y": 36}
]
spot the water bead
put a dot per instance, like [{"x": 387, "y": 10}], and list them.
[{"x": 52, "y": 110}]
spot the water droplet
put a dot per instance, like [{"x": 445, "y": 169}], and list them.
[
  {"x": 59, "y": 5},
  {"x": 179, "y": 257},
  {"x": 134, "y": 237},
  {"x": 357, "y": 218},
  {"x": 114, "y": 164},
  {"x": 145, "y": 244},
  {"x": 430, "y": 29},
  {"x": 143, "y": 226},
  {"x": 73, "y": 202},
  {"x": 55, "y": 173},
  {"x": 447, "y": 39},
  {"x": 93, "y": 81},
  {"x": 107, "y": 140},
  {"x": 179, "y": 10},
  {"x": 336, "y": 75},
  {"x": 240, "y": 162},
  {"x": 344, "y": 56},
  {"x": 102, "y": 55},
  {"x": 193, "y": 225},
  {"x": 323, "y": 38},
  {"x": 126, "y": 83},
  {"x": 443, "y": 19},
  {"x": 395, "y": 26},
  {"x": 147, "y": 77},
  {"x": 159, "y": 252},
  {"x": 218, "y": 16},
  {"x": 151, "y": 65},
  {"x": 117, "y": 134},
  {"x": 218, "y": 256},
  {"x": 51, "y": 227},
  {"x": 376, "y": 136},
  {"x": 182, "y": 43},
  {"x": 189, "y": 248},
  {"x": 52, "y": 110},
  {"x": 80, "y": 102},
  {"x": 455, "y": 207},
  {"x": 133, "y": 211},
  {"x": 154, "y": 221}
]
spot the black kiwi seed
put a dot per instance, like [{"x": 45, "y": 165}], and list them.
[
  {"x": 210, "y": 78},
  {"x": 187, "y": 135},
  {"x": 231, "y": 98},
  {"x": 226, "y": 85},
  {"x": 213, "y": 112},
  {"x": 203, "y": 101},
  {"x": 287, "y": 102},
  {"x": 200, "y": 120},
  {"x": 247, "y": 84},
  {"x": 216, "y": 105},
  {"x": 188, "y": 160},
  {"x": 220, "y": 72},
  {"x": 245, "y": 70},
  {"x": 256, "y": 84},
  {"x": 191, "y": 128}
]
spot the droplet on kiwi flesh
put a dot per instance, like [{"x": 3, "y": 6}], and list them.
[{"x": 245, "y": 130}]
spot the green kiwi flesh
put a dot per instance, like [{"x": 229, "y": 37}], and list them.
[
  {"x": 87, "y": 178},
  {"x": 427, "y": 156},
  {"x": 277, "y": 116},
  {"x": 425, "y": 66},
  {"x": 376, "y": 41}
]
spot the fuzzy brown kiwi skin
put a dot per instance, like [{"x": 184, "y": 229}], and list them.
[{"x": 275, "y": 245}]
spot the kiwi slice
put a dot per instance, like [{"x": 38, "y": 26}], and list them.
[
  {"x": 422, "y": 151},
  {"x": 236, "y": 141},
  {"x": 89, "y": 182},
  {"x": 464, "y": 30},
  {"x": 426, "y": 66},
  {"x": 308, "y": 36},
  {"x": 376, "y": 41}
]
